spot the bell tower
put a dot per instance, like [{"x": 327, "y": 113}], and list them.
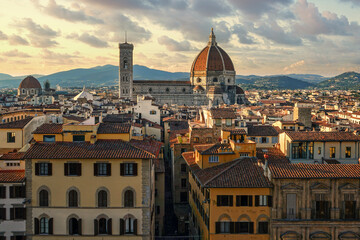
[{"x": 126, "y": 70}]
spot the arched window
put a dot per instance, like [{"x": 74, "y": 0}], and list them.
[
  {"x": 129, "y": 198},
  {"x": 215, "y": 80},
  {"x": 229, "y": 80},
  {"x": 103, "y": 228},
  {"x": 125, "y": 64},
  {"x": 102, "y": 198},
  {"x": 183, "y": 89},
  {"x": 44, "y": 198},
  {"x": 44, "y": 225},
  {"x": 73, "y": 198},
  {"x": 129, "y": 226},
  {"x": 74, "y": 226},
  {"x": 167, "y": 90},
  {"x": 150, "y": 90}
]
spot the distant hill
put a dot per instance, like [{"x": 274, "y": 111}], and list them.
[
  {"x": 107, "y": 75},
  {"x": 272, "y": 82},
  {"x": 345, "y": 81}
]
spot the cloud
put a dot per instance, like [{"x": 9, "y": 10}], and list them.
[
  {"x": 42, "y": 42},
  {"x": 141, "y": 5},
  {"x": 354, "y": 2},
  {"x": 294, "y": 66},
  {"x": 17, "y": 40},
  {"x": 212, "y": 8},
  {"x": 58, "y": 11},
  {"x": 256, "y": 8},
  {"x": 173, "y": 45},
  {"x": 36, "y": 29},
  {"x": 58, "y": 58},
  {"x": 3, "y": 36},
  {"x": 311, "y": 22},
  {"x": 90, "y": 40},
  {"x": 15, "y": 53},
  {"x": 243, "y": 35}
]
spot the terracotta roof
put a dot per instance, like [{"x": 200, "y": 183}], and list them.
[
  {"x": 29, "y": 82},
  {"x": 223, "y": 113},
  {"x": 301, "y": 170},
  {"x": 262, "y": 130},
  {"x": 213, "y": 148},
  {"x": 240, "y": 173},
  {"x": 48, "y": 128},
  {"x": 74, "y": 118},
  {"x": 12, "y": 176},
  {"x": 235, "y": 131},
  {"x": 118, "y": 118},
  {"x": 101, "y": 149},
  {"x": 274, "y": 155},
  {"x": 323, "y": 136},
  {"x": 113, "y": 128},
  {"x": 149, "y": 145},
  {"x": 13, "y": 156},
  {"x": 16, "y": 124}
]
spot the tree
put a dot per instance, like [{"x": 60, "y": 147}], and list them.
[{"x": 47, "y": 85}]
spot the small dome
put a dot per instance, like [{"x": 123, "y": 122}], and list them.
[
  {"x": 30, "y": 82},
  {"x": 212, "y": 58},
  {"x": 239, "y": 90}
]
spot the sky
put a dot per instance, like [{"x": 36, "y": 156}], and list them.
[{"x": 262, "y": 37}]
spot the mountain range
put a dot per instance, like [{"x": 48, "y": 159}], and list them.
[{"x": 107, "y": 75}]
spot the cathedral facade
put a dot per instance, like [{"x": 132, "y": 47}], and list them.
[{"x": 212, "y": 80}]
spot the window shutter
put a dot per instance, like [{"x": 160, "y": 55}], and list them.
[
  {"x": 135, "y": 169},
  {"x": 231, "y": 200},
  {"x": 109, "y": 225},
  {"x": 12, "y": 190},
  {"x": 232, "y": 227},
  {"x": 78, "y": 169},
  {"x": 96, "y": 229},
  {"x": 37, "y": 169},
  {"x": 12, "y": 213},
  {"x": 237, "y": 227},
  {"x": 251, "y": 227},
  {"x": 2, "y": 192},
  {"x": 23, "y": 191},
  {"x": 51, "y": 225},
  {"x": 3, "y": 213},
  {"x": 238, "y": 200},
  {"x": 250, "y": 201},
  {"x": 49, "y": 169},
  {"x": 217, "y": 227},
  {"x": 218, "y": 200},
  {"x": 80, "y": 226},
  {"x": 135, "y": 226},
  {"x": 122, "y": 169},
  {"x": 66, "y": 169},
  {"x": 122, "y": 226},
  {"x": 37, "y": 226},
  {"x": 108, "y": 169},
  {"x": 96, "y": 169},
  {"x": 257, "y": 200},
  {"x": 269, "y": 198},
  {"x": 23, "y": 213}
]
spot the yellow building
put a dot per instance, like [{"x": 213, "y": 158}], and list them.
[
  {"x": 89, "y": 182},
  {"x": 229, "y": 194}
]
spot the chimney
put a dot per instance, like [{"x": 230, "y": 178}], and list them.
[
  {"x": 92, "y": 139},
  {"x": 266, "y": 166}
]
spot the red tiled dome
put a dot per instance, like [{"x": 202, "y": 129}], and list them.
[
  {"x": 30, "y": 82},
  {"x": 212, "y": 58}
]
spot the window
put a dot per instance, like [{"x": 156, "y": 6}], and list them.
[
  {"x": 73, "y": 199},
  {"x": 72, "y": 169},
  {"x": 348, "y": 152},
  {"x": 244, "y": 227},
  {"x": 17, "y": 213},
  {"x": 17, "y": 192},
  {"x": 244, "y": 154},
  {"x": 2, "y": 213},
  {"x": 49, "y": 138},
  {"x": 208, "y": 139},
  {"x": 349, "y": 207},
  {"x": 263, "y": 227},
  {"x": 213, "y": 159},
  {"x": 150, "y": 90},
  {"x": 125, "y": 65},
  {"x": 183, "y": 182},
  {"x": 128, "y": 169},
  {"x": 319, "y": 150},
  {"x": 218, "y": 122},
  {"x": 152, "y": 112},
  {"x": 43, "y": 169},
  {"x": 167, "y": 90},
  {"x": 129, "y": 198},
  {"x": 263, "y": 200},
  {"x": 243, "y": 201},
  {"x": 74, "y": 226},
  {"x": 102, "y": 198},
  {"x": 43, "y": 226},
  {"x": 215, "y": 80},
  {"x": 299, "y": 151},
  {"x": 264, "y": 140},
  {"x": 44, "y": 198},
  {"x": 183, "y": 167},
  {"x": 78, "y": 138},
  {"x": 102, "y": 169},
  {"x": 2, "y": 192},
  {"x": 311, "y": 150},
  {"x": 332, "y": 152},
  {"x": 321, "y": 208},
  {"x": 103, "y": 226},
  {"x": 183, "y": 197},
  {"x": 196, "y": 139},
  {"x": 229, "y": 80},
  {"x": 225, "y": 227},
  {"x": 228, "y": 122},
  {"x": 183, "y": 90},
  {"x": 291, "y": 206},
  {"x": 130, "y": 226},
  {"x": 10, "y": 137},
  {"x": 224, "y": 200}
]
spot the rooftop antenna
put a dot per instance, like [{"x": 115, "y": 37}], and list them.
[{"x": 125, "y": 36}]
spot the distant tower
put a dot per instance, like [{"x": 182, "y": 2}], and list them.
[{"x": 126, "y": 70}]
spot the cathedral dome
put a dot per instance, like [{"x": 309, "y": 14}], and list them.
[
  {"x": 30, "y": 82},
  {"x": 212, "y": 58}
]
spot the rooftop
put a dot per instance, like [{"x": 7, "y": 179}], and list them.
[{"x": 12, "y": 176}]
